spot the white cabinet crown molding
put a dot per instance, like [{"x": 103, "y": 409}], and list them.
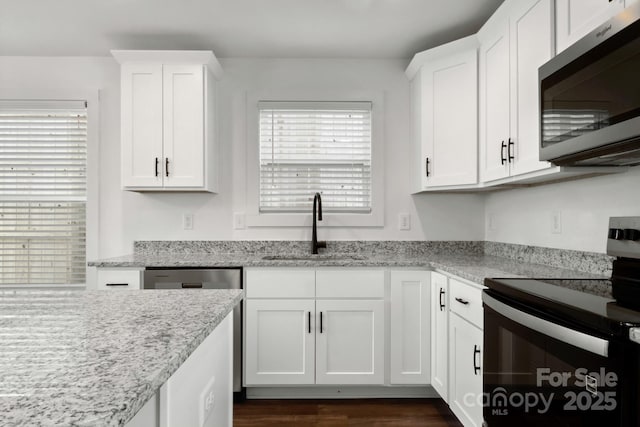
[
  {"x": 201, "y": 57},
  {"x": 422, "y": 58}
]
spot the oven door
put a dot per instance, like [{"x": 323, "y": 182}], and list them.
[{"x": 541, "y": 373}]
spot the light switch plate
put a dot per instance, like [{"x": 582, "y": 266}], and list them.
[{"x": 239, "y": 221}]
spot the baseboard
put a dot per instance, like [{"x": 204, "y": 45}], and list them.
[{"x": 341, "y": 392}]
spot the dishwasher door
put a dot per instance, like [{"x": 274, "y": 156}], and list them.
[
  {"x": 205, "y": 278},
  {"x": 200, "y": 278}
]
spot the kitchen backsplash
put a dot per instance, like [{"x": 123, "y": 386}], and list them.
[
  {"x": 413, "y": 247},
  {"x": 588, "y": 262}
]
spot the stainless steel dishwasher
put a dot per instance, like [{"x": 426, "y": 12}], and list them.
[{"x": 205, "y": 278}]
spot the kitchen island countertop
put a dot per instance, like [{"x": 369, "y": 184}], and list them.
[{"x": 94, "y": 358}]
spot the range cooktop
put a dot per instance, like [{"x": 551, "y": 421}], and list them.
[{"x": 587, "y": 304}]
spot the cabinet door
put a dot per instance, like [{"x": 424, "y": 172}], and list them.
[
  {"x": 576, "y": 18},
  {"x": 417, "y": 132},
  {"x": 410, "y": 327},
  {"x": 450, "y": 119},
  {"x": 440, "y": 335},
  {"x": 465, "y": 378},
  {"x": 141, "y": 117},
  {"x": 531, "y": 46},
  {"x": 350, "y": 342},
  {"x": 183, "y": 125},
  {"x": 279, "y": 342},
  {"x": 494, "y": 100},
  {"x": 209, "y": 369}
]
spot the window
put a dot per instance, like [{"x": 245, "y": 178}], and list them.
[
  {"x": 309, "y": 147},
  {"x": 43, "y": 157}
]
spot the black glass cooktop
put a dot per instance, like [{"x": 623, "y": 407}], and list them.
[{"x": 586, "y": 304}]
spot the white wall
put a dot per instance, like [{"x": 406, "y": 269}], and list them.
[
  {"x": 524, "y": 216},
  {"x": 127, "y": 216}
]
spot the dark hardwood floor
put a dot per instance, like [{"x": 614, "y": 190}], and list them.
[{"x": 346, "y": 412}]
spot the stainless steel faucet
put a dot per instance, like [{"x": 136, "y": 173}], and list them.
[{"x": 315, "y": 244}]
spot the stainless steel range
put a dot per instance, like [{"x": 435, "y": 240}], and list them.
[{"x": 564, "y": 352}]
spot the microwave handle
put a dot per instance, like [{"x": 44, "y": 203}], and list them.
[{"x": 561, "y": 333}]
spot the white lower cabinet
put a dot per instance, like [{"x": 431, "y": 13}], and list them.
[
  {"x": 409, "y": 322},
  {"x": 119, "y": 278},
  {"x": 457, "y": 339},
  {"x": 440, "y": 335},
  {"x": 327, "y": 328},
  {"x": 465, "y": 373},
  {"x": 350, "y": 342},
  {"x": 280, "y": 344}
]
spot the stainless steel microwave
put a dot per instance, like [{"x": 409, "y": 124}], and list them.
[{"x": 590, "y": 97}]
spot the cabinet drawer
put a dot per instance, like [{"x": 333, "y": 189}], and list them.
[
  {"x": 466, "y": 301},
  {"x": 119, "y": 279},
  {"x": 350, "y": 283},
  {"x": 280, "y": 283}
]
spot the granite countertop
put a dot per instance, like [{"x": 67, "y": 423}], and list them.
[
  {"x": 473, "y": 267},
  {"x": 94, "y": 358}
]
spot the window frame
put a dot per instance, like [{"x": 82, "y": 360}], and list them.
[
  {"x": 374, "y": 218},
  {"x": 92, "y": 204}
]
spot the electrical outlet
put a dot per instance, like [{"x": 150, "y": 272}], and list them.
[
  {"x": 207, "y": 401},
  {"x": 404, "y": 221},
  {"x": 556, "y": 222},
  {"x": 187, "y": 221},
  {"x": 491, "y": 220},
  {"x": 239, "y": 222}
]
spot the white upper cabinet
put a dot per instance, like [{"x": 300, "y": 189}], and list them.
[
  {"x": 494, "y": 100},
  {"x": 168, "y": 120},
  {"x": 532, "y": 44},
  {"x": 576, "y": 18},
  {"x": 183, "y": 130},
  {"x": 444, "y": 86},
  {"x": 514, "y": 43},
  {"x": 141, "y": 124}
]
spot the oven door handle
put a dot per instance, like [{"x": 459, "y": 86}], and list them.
[{"x": 561, "y": 333}]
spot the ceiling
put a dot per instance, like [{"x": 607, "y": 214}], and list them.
[{"x": 238, "y": 28}]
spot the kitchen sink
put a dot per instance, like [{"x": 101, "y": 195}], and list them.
[{"x": 334, "y": 257}]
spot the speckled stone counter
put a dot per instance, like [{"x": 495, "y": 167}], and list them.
[
  {"x": 94, "y": 358},
  {"x": 469, "y": 260}
]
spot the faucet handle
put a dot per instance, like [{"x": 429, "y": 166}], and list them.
[{"x": 322, "y": 244}]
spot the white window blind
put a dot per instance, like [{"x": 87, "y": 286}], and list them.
[
  {"x": 43, "y": 157},
  {"x": 309, "y": 147}
]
